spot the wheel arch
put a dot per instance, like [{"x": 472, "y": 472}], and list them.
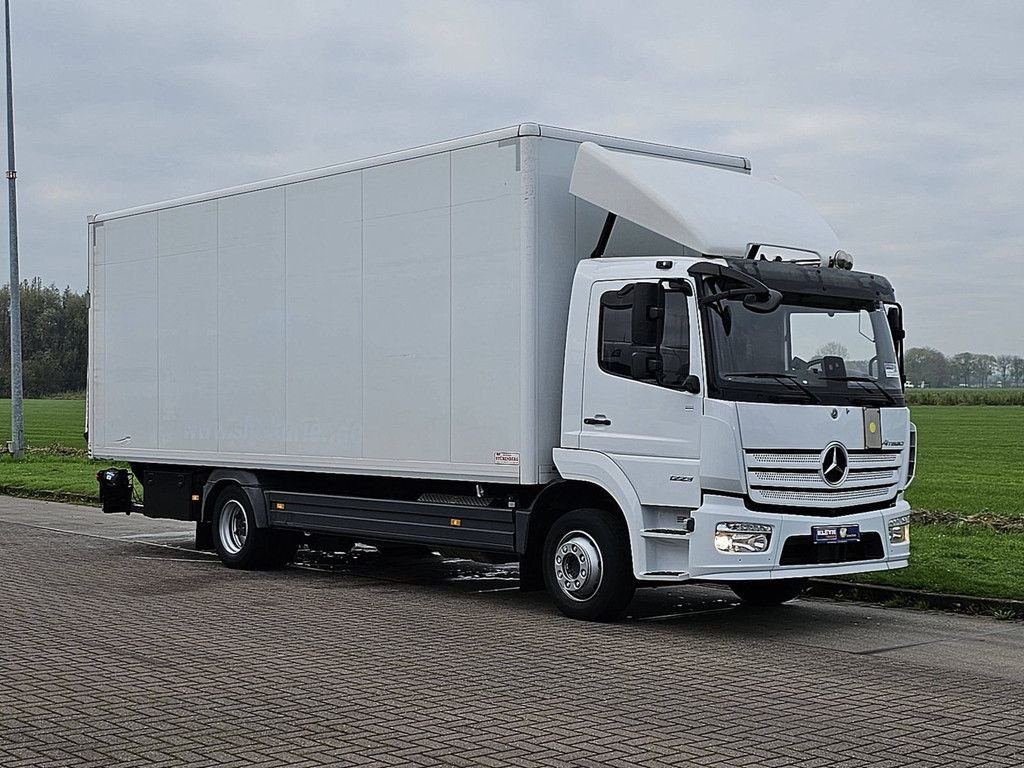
[
  {"x": 590, "y": 479},
  {"x": 597, "y": 471},
  {"x": 556, "y": 499},
  {"x": 247, "y": 480}
]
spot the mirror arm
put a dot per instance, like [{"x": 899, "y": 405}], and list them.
[
  {"x": 732, "y": 293},
  {"x": 772, "y": 297}
]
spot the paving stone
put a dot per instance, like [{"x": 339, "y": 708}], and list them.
[{"x": 109, "y": 657}]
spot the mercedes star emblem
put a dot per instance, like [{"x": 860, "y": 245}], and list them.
[{"x": 835, "y": 464}]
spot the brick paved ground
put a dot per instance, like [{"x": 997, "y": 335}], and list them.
[{"x": 114, "y": 653}]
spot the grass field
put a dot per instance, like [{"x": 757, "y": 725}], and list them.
[
  {"x": 46, "y": 471},
  {"x": 971, "y": 463},
  {"x": 966, "y": 396},
  {"x": 48, "y": 422},
  {"x": 970, "y": 459},
  {"x": 962, "y": 560},
  {"x": 52, "y": 476}
]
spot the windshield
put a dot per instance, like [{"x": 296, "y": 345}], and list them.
[{"x": 800, "y": 352}]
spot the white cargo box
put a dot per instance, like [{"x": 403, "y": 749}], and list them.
[{"x": 402, "y": 315}]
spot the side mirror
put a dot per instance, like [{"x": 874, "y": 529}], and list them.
[
  {"x": 646, "y": 314},
  {"x": 691, "y": 384},
  {"x": 895, "y": 318}
]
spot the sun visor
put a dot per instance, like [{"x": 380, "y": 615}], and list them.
[{"x": 715, "y": 211}]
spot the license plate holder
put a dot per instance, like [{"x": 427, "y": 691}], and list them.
[{"x": 835, "y": 534}]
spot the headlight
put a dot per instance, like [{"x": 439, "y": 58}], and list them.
[
  {"x": 899, "y": 530},
  {"x": 742, "y": 537}
]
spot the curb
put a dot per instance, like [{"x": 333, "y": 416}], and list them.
[
  {"x": 915, "y": 598},
  {"x": 63, "y": 497}
]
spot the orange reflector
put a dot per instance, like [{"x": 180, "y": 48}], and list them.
[{"x": 454, "y": 521}]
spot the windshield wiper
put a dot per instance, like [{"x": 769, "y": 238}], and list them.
[
  {"x": 779, "y": 377},
  {"x": 865, "y": 380}
]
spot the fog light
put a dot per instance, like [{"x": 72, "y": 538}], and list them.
[
  {"x": 899, "y": 530},
  {"x": 742, "y": 537}
]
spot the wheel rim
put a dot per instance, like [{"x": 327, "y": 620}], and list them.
[
  {"x": 578, "y": 566},
  {"x": 233, "y": 527}
]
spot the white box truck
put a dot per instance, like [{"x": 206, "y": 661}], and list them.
[{"x": 618, "y": 362}]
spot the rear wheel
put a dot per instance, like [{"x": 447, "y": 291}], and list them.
[
  {"x": 239, "y": 542},
  {"x": 772, "y": 592},
  {"x": 587, "y": 566}
]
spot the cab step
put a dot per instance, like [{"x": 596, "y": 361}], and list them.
[{"x": 670, "y": 533}]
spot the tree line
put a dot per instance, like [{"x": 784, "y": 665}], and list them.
[
  {"x": 930, "y": 367},
  {"x": 54, "y": 339}
]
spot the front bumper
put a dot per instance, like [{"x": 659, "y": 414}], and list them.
[{"x": 708, "y": 563}]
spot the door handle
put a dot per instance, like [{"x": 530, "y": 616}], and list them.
[{"x": 600, "y": 420}]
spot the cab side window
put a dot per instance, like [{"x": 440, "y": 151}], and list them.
[
  {"x": 615, "y": 331},
  {"x": 662, "y": 356}
]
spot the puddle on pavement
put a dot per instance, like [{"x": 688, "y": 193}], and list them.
[
  {"x": 415, "y": 568},
  {"x": 423, "y": 569}
]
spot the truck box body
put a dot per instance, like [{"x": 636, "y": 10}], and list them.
[
  {"x": 421, "y": 349},
  {"x": 403, "y": 315}
]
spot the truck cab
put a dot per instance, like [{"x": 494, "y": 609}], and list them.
[
  {"x": 743, "y": 405},
  {"x": 750, "y": 438}
]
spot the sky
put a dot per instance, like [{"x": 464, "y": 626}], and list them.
[{"x": 902, "y": 122}]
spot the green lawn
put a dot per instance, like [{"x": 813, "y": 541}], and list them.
[
  {"x": 963, "y": 560},
  {"x": 48, "y": 422},
  {"x": 971, "y": 462},
  {"x": 64, "y": 478},
  {"x": 52, "y": 474},
  {"x": 970, "y": 459}
]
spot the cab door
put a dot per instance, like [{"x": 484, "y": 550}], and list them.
[{"x": 642, "y": 345}]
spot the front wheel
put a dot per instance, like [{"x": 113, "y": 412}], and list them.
[
  {"x": 587, "y": 566},
  {"x": 771, "y": 592}
]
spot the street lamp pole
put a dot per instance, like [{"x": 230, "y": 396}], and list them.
[{"x": 17, "y": 393}]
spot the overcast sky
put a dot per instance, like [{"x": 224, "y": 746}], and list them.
[{"x": 902, "y": 122}]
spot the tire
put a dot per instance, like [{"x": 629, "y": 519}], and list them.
[
  {"x": 767, "y": 593},
  {"x": 587, "y": 566},
  {"x": 239, "y": 542}
]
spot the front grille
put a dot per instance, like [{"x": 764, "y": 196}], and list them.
[
  {"x": 801, "y": 550},
  {"x": 809, "y": 459},
  {"x": 793, "y": 478},
  {"x": 859, "y": 495},
  {"x": 811, "y": 479}
]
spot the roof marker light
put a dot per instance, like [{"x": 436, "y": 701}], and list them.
[{"x": 841, "y": 260}]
